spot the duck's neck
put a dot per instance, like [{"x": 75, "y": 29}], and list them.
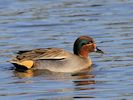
[{"x": 84, "y": 52}]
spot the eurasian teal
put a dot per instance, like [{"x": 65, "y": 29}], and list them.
[{"x": 57, "y": 59}]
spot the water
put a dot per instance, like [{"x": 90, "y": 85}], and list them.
[{"x": 28, "y": 24}]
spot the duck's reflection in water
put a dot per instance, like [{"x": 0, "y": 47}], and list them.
[
  {"x": 80, "y": 81},
  {"x": 82, "y": 85}
]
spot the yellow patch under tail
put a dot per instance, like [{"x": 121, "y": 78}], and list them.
[{"x": 27, "y": 63}]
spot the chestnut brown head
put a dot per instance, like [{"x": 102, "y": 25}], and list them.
[{"x": 85, "y": 45}]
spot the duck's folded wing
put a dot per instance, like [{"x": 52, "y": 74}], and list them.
[
  {"x": 51, "y": 53},
  {"x": 43, "y": 53}
]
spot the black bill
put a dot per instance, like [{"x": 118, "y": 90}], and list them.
[{"x": 99, "y": 51}]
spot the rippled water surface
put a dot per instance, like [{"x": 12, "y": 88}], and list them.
[{"x": 28, "y": 24}]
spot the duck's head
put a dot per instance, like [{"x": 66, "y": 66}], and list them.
[{"x": 85, "y": 45}]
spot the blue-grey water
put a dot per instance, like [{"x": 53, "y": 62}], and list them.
[{"x": 28, "y": 24}]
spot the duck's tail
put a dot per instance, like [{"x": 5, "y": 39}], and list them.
[{"x": 27, "y": 64}]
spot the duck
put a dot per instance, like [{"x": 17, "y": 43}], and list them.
[{"x": 58, "y": 59}]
